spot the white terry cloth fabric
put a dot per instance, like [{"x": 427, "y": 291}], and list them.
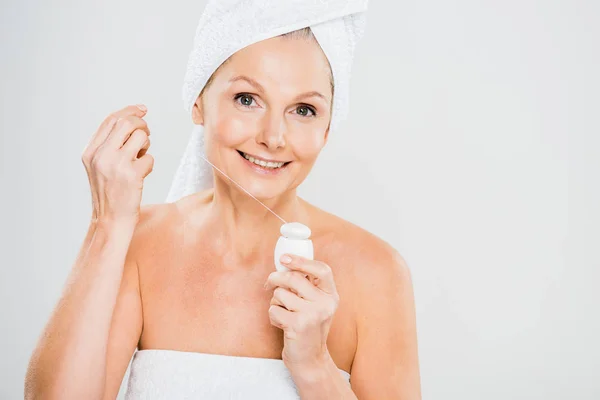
[
  {"x": 227, "y": 26},
  {"x": 171, "y": 374}
]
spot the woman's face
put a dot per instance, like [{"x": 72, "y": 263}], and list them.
[{"x": 271, "y": 101}]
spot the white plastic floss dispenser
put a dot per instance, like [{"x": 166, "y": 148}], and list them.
[{"x": 294, "y": 239}]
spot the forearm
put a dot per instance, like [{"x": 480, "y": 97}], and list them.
[
  {"x": 322, "y": 381},
  {"x": 70, "y": 358}
]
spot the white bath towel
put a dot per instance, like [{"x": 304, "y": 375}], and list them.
[
  {"x": 227, "y": 26},
  {"x": 179, "y": 375}
]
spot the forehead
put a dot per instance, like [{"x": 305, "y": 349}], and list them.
[{"x": 278, "y": 61}]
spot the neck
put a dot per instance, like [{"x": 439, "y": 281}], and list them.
[{"x": 243, "y": 229}]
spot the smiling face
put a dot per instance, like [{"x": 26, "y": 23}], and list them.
[{"x": 269, "y": 103}]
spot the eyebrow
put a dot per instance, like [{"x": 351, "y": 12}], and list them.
[{"x": 262, "y": 89}]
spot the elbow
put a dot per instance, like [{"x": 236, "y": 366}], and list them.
[
  {"x": 36, "y": 386},
  {"x": 33, "y": 389},
  {"x": 32, "y": 386},
  {"x": 46, "y": 384}
]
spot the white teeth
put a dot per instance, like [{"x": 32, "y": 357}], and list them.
[{"x": 265, "y": 164}]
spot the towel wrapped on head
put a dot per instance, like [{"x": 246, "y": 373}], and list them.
[{"x": 227, "y": 26}]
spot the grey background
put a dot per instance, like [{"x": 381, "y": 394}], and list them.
[{"x": 472, "y": 147}]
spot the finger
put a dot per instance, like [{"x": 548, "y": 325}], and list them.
[
  {"x": 144, "y": 149},
  {"x": 294, "y": 281},
  {"x": 137, "y": 109},
  {"x": 287, "y": 299},
  {"x": 124, "y": 127},
  {"x": 103, "y": 130},
  {"x": 144, "y": 165},
  {"x": 280, "y": 317},
  {"x": 138, "y": 140},
  {"x": 275, "y": 302},
  {"x": 109, "y": 122},
  {"x": 319, "y": 270}
]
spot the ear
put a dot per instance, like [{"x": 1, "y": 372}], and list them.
[{"x": 198, "y": 112}]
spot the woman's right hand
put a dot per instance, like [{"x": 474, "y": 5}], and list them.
[{"x": 117, "y": 163}]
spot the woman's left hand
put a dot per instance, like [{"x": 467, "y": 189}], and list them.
[{"x": 303, "y": 304}]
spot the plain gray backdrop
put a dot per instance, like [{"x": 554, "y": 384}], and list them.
[{"x": 472, "y": 146}]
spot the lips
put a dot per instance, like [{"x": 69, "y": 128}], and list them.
[
  {"x": 268, "y": 169},
  {"x": 245, "y": 155}
]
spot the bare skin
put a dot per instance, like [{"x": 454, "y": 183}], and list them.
[
  {"x": 223, "y": 298},
  {"x": 69, "y": 361},
  {"x": 196, "y": 298},
  {"x": 189, "y": 276}
]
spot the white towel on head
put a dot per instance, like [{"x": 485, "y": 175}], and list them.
[{"x": 227, "y": 26}]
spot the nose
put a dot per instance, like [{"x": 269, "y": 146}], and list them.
[{"x": 272, "y": 135}]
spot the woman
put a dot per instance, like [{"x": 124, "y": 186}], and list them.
[{"x": 191, "y": 284}]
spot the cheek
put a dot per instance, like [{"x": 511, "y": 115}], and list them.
[
  {"x": 308, "y": 145},
  {"x": 228, "y": 127}
]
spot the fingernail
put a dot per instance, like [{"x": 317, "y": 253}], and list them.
[
  {"x": 285, "y": 259},
  {"x": 142, "y": 107}
]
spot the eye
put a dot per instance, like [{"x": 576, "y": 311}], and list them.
[
  {"x": 246, "y": 99},
  {"x": 304, "y": 109}
]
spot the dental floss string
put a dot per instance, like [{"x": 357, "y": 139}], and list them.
[{"x": 273, "y": 212}]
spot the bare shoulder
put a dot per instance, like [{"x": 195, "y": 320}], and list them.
[
  {"x": 159, "y": 223},
  {"x": 154, "y": 218},
  {"x": 385, "y": 361},
  {"x": 366, "y": 253}
]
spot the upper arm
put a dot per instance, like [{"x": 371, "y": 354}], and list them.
[
  {"x": 126, "y": 326},
  {"x": 386, "y": 362}
]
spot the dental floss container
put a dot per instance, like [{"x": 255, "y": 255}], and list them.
[{"x": 294, "y": 239}]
